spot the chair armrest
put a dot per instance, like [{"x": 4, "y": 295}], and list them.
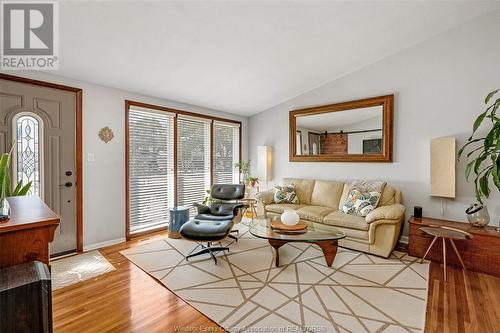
[
  {"x": 265, "y": 197},
  {"x": 202, "y": 209},
  {"x": 389, "y": 212}
]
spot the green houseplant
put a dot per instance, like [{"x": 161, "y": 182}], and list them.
[
  {"x": 5, "y": 186},
  {"x": 483, "y": 151},
  {"x": 244, "y": 169}
]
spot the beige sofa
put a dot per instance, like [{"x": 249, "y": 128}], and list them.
[{"x": 320, "y": 201}]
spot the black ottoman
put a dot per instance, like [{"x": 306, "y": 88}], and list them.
[{"x": 206, "y": 232}]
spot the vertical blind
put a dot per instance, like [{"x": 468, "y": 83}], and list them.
[
  {"x": 226, "y": 153},
  {"x": 151, "y": 168},
  {"x": 193, "y": 160},
  {"x": 151, "y": 162}
]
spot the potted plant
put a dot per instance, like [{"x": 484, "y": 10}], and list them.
[
  {"x": 5, "y": 187},
  {"x": 252, "y": 181},
  {"x": 483, "y": 154},
  {"x": 244, "y": 169}
]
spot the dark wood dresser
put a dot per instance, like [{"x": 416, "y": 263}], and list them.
[
  {"x": 25, "y": 300},
  {"x": 482, "y": 253},
  {"x": 26, "y": 236}
]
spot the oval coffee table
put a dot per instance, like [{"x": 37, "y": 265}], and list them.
[{"x": 326, "y": 240}]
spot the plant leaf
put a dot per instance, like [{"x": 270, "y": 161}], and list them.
[
  {"x": 7, "y": 182},
  {"x": 484, "y": 184},
  {"x": 466, "y": 145},
  {"x": 16, "y": 190},
  {"x": 478, "y": 122},
  {"x": 25, "y": 189},
  {"x": 490, "y": 95},
  {"x": 4, "y": 162}
]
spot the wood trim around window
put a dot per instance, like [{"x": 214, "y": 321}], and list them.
[
  {"x": 128, "y": 104},
  {"x": 78, "y": 145},
  {"x": 386, "y": 101}
]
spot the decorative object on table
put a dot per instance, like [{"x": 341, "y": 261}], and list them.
[
  {"x": 285, "y": 194},
  {"x": 264, "y": 163},
  {"x": 5, "y": 186},
  {"x": 290, "y": 217},
  {"x": 106, "y": 134},
  {"x": 244, "y": 169},
  {"x": 478, "y": 215},
  {"x": 363, "y": 197},
  {"x": 482, "y": 156},
  {"x": 280, "y": 226},
  {"x": 417, "y": 212},
  {"x": 445, "y": 233},
  {"x": 443, "y": 165},
  {"x": 178, "y": 216}
]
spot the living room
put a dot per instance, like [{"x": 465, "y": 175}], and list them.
[{"x": 250, "y": 166}]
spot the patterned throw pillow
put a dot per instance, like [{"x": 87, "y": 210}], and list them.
[
  {"x": 285, "y": 194},
  {"x": 361, "y": 203}
]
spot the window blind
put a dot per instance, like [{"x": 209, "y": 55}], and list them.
[
  {"x": 226, "y": 153},
  {"x": 151, "y": 168},
  {"x": 193, "y": 160}
]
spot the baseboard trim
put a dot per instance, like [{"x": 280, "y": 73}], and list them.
[
  {"x": 404, "y": 239},
  {"x": 95, "y": 246}
]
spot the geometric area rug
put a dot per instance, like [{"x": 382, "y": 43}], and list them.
[{"x": 245, "y": 292}]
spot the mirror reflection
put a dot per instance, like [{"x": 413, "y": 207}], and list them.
[{"x": 354, "y": 131}]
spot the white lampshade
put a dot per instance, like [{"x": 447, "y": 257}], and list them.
[
  {"x": 443, "y": 165},
  {"x": 264, "y": 163}
]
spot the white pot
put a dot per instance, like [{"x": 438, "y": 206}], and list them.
[{"x": 290, "y": 217}]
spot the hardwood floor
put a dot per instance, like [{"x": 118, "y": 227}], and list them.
[
  {"x": 467, "y": 302},
  {"x": 129, "y": 300},
  {"x": 126, "y": 300}
]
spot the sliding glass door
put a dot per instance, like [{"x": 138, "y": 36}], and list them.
[
  {"x": 226, "y": 144},
  {"x": 173, "y": 157},
  {"x": 151, "y": 168},
  {"x": 193, "y": 160}
]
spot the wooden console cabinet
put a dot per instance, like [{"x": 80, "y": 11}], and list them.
[
  {"x": 26, "y": 236},
  {"x": 482, "y": 253}
]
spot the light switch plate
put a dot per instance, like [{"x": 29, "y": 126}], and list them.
[{"x": 90, "y": 157}]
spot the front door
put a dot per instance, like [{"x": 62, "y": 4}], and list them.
[{"x": 40, "y": 123}]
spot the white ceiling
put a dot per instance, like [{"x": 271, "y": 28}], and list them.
[
  {"x": 241, "y": 57},
  {"x": 340, "y": 119}
]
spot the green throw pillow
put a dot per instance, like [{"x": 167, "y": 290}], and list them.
[
  {"x": 361, "y": 203},
  {"x": 285, "y": 195}
]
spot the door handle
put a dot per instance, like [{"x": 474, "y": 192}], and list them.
[{"x": 67, "y": 184}]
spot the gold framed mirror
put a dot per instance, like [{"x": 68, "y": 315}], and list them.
[{"x": 354, "y": 131}]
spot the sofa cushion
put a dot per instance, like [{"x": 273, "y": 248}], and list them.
[
  {"x": 390, "y": 196},
  {"x": 327, "y": 193},
  {"x": 285, "y": 195},
  {"x": 303, "y": 188},
  {"x": 314, "y": 213},
  {"x": 340, "y": 219},
  {"x": 361, "y": 203},
  {"x": 345, "y": 194},
  {"x": 280, "y": 208}
]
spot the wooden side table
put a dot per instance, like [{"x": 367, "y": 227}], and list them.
[
  {"x": 445, "y": 233},
  {"x": 252, "y": 207},
  {"x": 481, "y": 254}
]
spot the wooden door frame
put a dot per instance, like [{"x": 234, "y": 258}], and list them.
[{"x": 79, "y": 144}]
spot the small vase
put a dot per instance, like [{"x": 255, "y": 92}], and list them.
[
  {"x": 290, "y": 217},
  {"x": 477, "y": 215},
  {"x": 4, "y": 210}
]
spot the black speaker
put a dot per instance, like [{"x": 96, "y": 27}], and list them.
[{"x": 417, "y": 212}]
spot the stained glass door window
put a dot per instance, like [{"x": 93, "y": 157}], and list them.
[{"x": 28, "y": 152}]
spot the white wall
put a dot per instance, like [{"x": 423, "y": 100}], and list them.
[
  {"x": 355, "y": 140},
  {"x": 439, "y": 88},
  {"x": 104, "y": 179}
]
